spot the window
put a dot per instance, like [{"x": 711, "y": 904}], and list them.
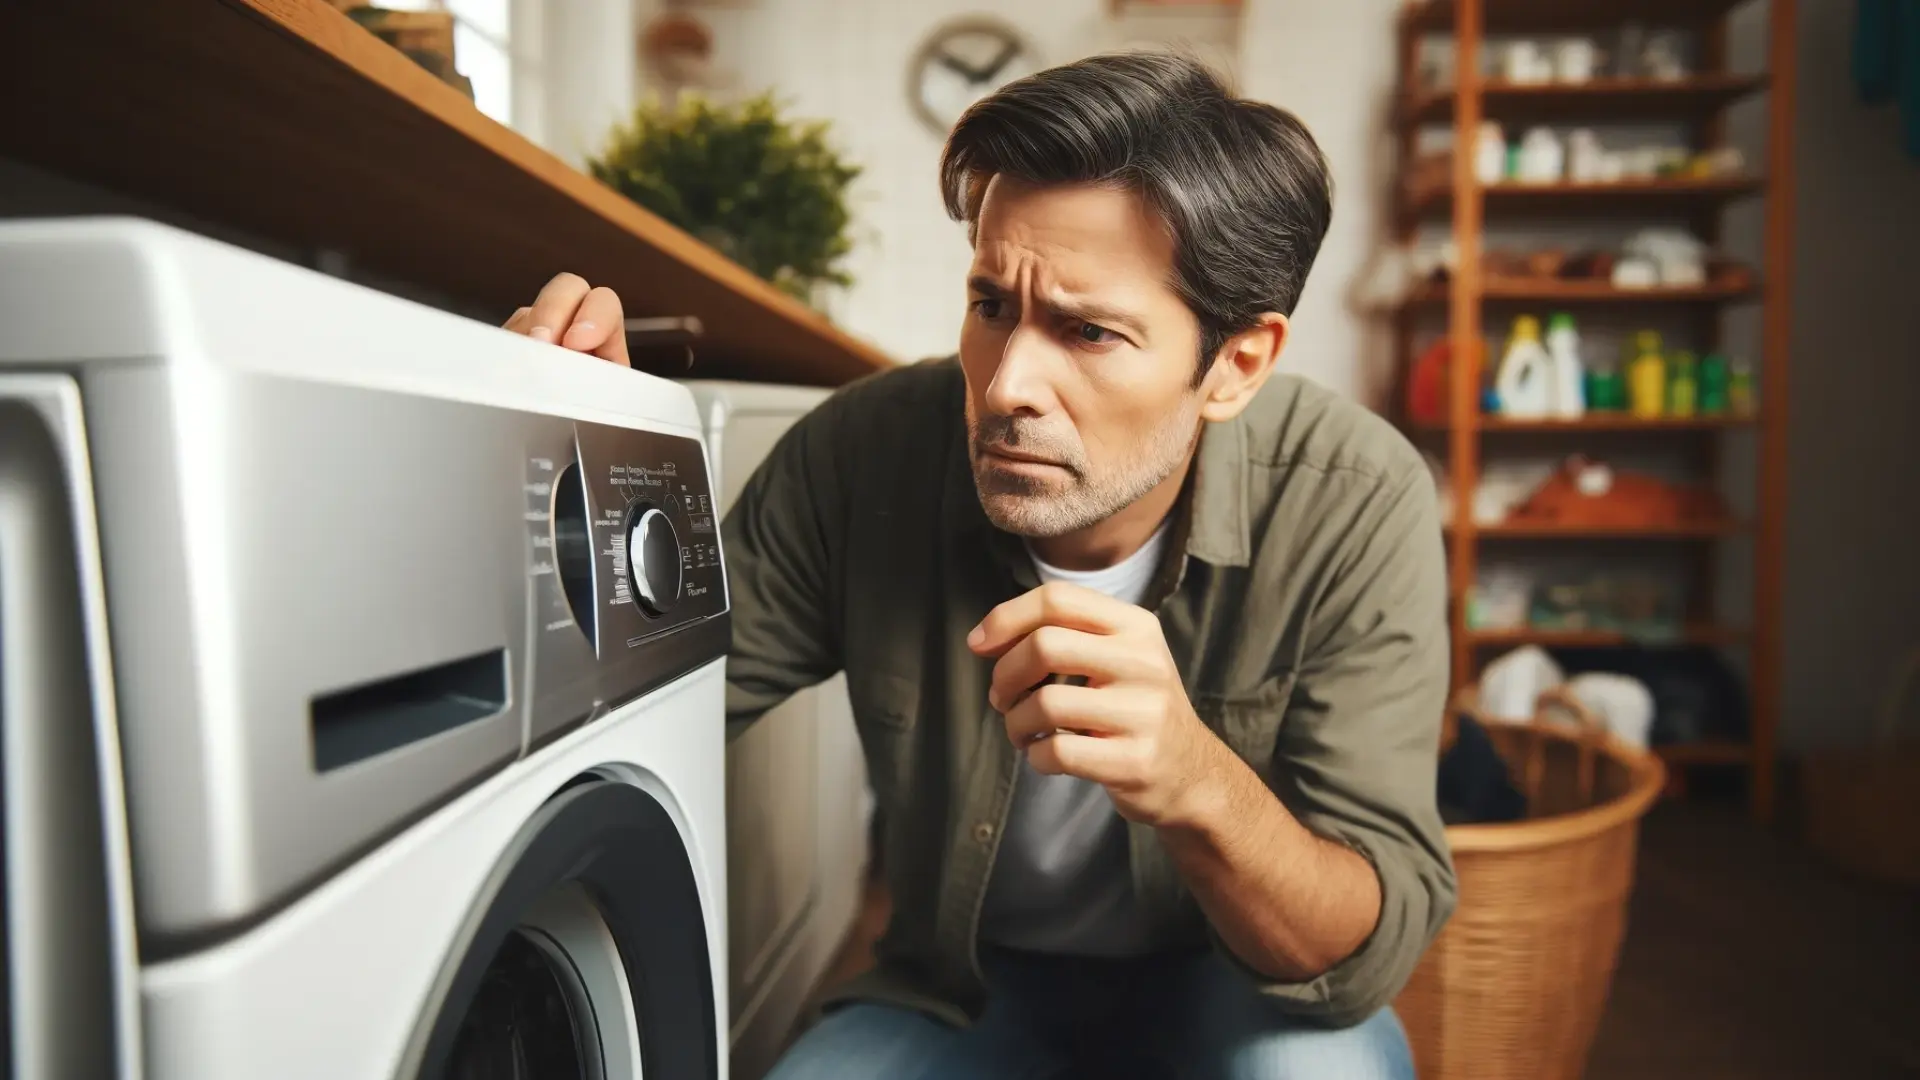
[{"x": 504, "y": 70}]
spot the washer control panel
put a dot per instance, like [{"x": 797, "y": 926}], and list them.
[
  {"x": 624, "y": 556},
  {"x": 634, "y": 537}
]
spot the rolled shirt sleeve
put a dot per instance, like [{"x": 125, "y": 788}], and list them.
[{"x": 1356, "y": 756}]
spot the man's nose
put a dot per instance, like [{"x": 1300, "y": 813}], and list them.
[{"x": 1022, "y": 384}]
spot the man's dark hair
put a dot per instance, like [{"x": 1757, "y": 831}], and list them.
[{"x": 1241, "y": 186}]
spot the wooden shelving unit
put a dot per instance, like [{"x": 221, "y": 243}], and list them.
[
  {"x": 285, "y": 120},
  {"x": 1689, "y": 530},
  {"x": 1703, "y": 634},
  {"x": 1527, "y": 16},
  {"x": 1601, "y": 99},
  {"x": 1596, "y": 423},
  {"x": 1585, "y": 293},
  {"x": 1658, "y": 197},
  {"x": 1452, "y": 193}
]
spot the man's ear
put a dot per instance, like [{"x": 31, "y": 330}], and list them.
[{"x": 1242, "y": 366}]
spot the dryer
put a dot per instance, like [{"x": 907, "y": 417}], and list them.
[
  {"x": 362, "y": 700},
  {"x": 798, "y": 803}
]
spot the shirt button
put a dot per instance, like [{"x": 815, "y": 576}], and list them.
[{"x": 983, "y": 832}]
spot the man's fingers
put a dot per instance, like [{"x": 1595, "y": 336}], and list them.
[
  {"x": 599, "y": 327},
  {"x": 1056, "y": 650},
  {"x": 554, "y": 309},
  {"x": 1053, "y": 604},
  {"x": 517, "y": 322},
  {"x": 1089, "y": 757},
  {"x": 1063, "y": 707}
]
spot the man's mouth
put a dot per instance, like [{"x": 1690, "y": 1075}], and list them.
[{"x": 1017, "y": 458}]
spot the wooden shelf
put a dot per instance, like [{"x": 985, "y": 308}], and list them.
[
  {"x": 1603, "y": 639},
  {"x": 1425, "y": 195},
  {"x": 1669, "y": 195},
  {"x": 1603, "y": 422},
  {"x": 1598, "y": 100},
  {"x": 284, "y": 119},
  {"x": 1700, "y": 530},
  {"x": 1518, "y": 16},
  {"x": 1588, "y": 293},
  {"x": 1705, "y": 752}
]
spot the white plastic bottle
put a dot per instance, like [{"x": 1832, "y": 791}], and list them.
[
  {"x": 1525, "y": 381},
  {"x": 1569, "y": 371},
  {"x": 1490, "y": 154}
]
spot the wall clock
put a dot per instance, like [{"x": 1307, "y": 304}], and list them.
[{"x": 961, "y": 63}]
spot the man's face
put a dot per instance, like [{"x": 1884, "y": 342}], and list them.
[{"x": 1079, "y": 357}]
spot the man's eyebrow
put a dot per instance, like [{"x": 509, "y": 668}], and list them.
[
  {"x": 1100, "y": 314},
  {"x": 1068, "y": 308}
]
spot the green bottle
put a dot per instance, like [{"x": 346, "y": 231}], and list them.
[
  {"x": 1714, "y": 378},
  {"x": 1605, "y": 390},
  {"x": 1683, "y": 384}
]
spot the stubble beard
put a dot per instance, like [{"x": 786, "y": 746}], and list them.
[{"x": 1076, "y": 496}]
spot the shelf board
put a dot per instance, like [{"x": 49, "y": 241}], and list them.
[
  {"x": 1511, "y": 290},
  {"x": 1601, "y": 422},
  {"x": 1659, "y": 196},
  {"x": 1598, "y": 100},
  {"x": 286, "y": 121},
  {"x": 1691, "y": 530},
  {"x": 1703, "y": 634},
  {"x": 1519, "y": 16},
  {"x": 1705, "y": 752}
]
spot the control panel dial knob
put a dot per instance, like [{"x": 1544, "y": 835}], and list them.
[{"x": 653, "y": 559}]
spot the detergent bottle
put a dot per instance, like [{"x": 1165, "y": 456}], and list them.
[
  {"x": 1713, "y": 384},
  {"x": 1569, "y": 373},
  {"x": 1647, "y": 377},
  {"x": 1525, "y": 382},
  {"x": 1683, "y": 385}
]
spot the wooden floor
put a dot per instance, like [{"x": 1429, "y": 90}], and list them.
[{"x": 1747, "y": 958}]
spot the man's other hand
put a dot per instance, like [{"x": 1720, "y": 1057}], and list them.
[{"x": 575, "y": 315}]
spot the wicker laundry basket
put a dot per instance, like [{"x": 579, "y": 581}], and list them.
[{"x": 1515, "y": 985}]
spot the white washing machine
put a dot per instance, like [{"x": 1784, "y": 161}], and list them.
[
  {"x": 362, "y": 705},
  {"x": 797, "y": 797}
]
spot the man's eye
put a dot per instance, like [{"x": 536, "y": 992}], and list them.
[
  {"x": 1093, "y": 334},
  {"x": 988, "y": 307}
]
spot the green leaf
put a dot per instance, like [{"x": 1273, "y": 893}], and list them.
[{"x": 768, "y": 192}]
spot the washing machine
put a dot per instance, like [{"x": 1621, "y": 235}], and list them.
[
  {"x": 362, "y": 704},
  {"x": 798, "y": 803}
]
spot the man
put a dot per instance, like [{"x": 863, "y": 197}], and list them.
[{"x": 1145, "y": 643}]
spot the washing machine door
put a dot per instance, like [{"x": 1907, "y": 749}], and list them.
[{"x": 585, "y": 957}]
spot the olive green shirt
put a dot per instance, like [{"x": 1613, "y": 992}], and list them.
[{"x": 1302, "y": 596}]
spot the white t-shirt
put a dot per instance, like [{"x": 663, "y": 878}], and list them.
[{"x": 1062, "y": 879}]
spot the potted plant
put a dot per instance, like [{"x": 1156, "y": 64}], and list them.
[{"x": 767, "y": 192}]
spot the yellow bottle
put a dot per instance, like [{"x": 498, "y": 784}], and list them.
[{"x": 1647, "y": 377}]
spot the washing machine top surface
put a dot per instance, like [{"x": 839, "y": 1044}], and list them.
[
  {"x": 110, "y": 290},
  {"x": 358, "y": 554}
]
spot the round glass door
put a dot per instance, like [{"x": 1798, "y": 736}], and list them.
[{"x": 590, "y": 939}]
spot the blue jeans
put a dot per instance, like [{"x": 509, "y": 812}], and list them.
[{"x": 1051, "y": 1018}]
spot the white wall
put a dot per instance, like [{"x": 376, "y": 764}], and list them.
[
  {"x": 847, "y": 61},
  {"x": 1333, "y": 65}
]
